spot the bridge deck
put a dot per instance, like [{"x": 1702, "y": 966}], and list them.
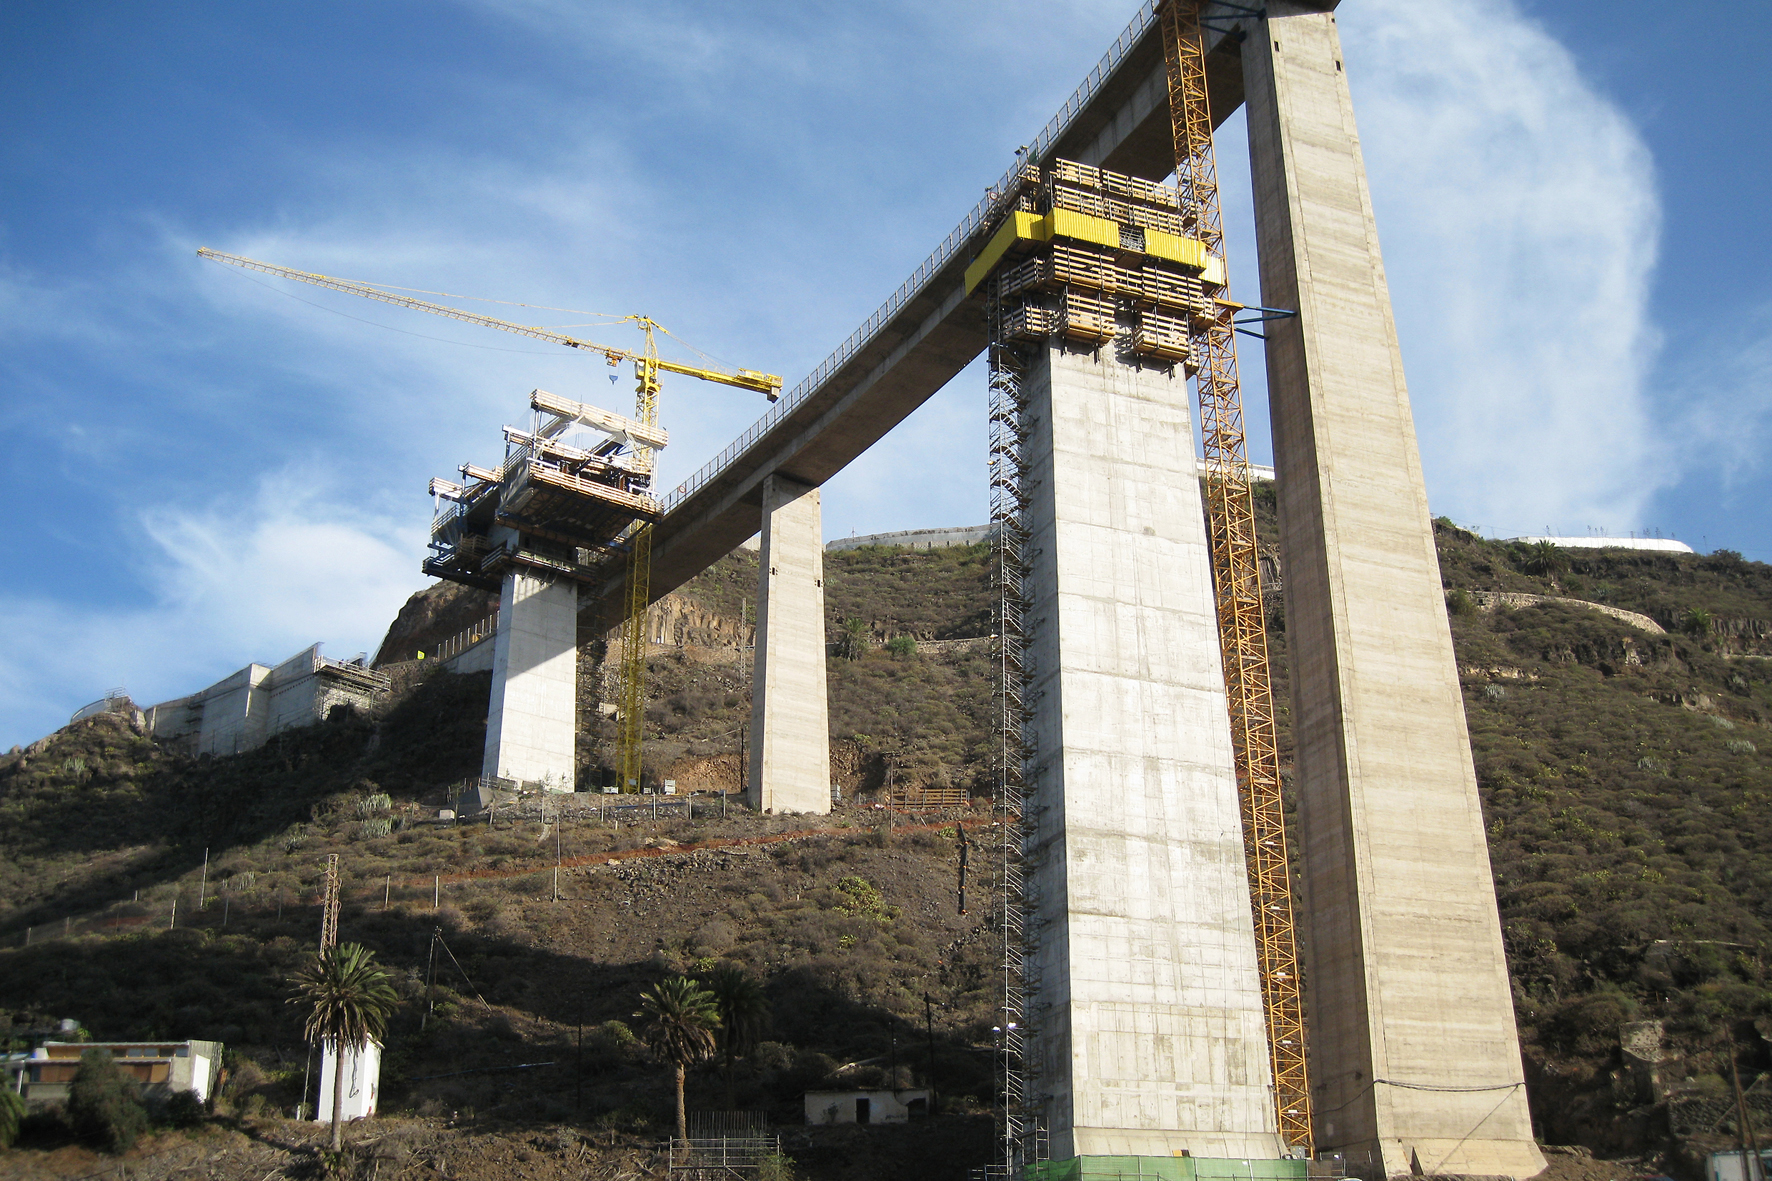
[{"x": 929, "y": 329}]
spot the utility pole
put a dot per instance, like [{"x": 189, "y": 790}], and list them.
[
  {"x": 329, "y": 906},
  {"x": 965, "y": 853},
  {"x": 1744, "y": 1128},
  {"x": 929, "y": 1032},
  {"x": 203, "y": 882},
  {"x": 430, "y": 978}
]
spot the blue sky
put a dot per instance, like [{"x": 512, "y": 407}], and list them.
[{"x": 208, "y": 468}]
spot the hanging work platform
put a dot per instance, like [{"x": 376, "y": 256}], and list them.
[{"x": 548, "y": 506}]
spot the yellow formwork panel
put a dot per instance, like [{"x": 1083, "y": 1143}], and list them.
[
  {"x": 1020, "y": 226},
  {"x": 1080, "y": 227},
  {"x": 1068, "y": 223},
  {"x": 1188, "y": 252}
]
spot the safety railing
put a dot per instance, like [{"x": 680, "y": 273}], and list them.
[
  {"x": 460, "y": 642},
  {"x": 963, "y": 233}
]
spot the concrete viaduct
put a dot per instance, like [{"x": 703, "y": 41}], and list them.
[{"x": 1160, "y": 1057}]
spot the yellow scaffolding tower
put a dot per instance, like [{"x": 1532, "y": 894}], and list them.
[{"x": 1242, "y": 628}]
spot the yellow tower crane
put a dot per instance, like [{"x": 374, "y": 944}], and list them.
[
  {"x": 638, "y": 538},
  {"x": 1242, "y": 625}
]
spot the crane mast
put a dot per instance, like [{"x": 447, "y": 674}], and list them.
[
  {"x": 634, "y": 539},
  {"x": 1242, "y": 626}
]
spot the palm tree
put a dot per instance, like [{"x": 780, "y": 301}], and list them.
[
  {"x": 852, "y": 641},
  {"x": 351, "y": 997},
  {"x": 1545, "y": 559},
  {"x": 678, "y": 1018},
  {"x": 743, "y": 1013}
]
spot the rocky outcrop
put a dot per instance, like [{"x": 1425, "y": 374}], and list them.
[{"x": 430, "y": 617}]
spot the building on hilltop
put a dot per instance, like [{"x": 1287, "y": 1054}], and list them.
[
  {"x": 1665, "y": 545},
  {"x": 240, "y": 712}
]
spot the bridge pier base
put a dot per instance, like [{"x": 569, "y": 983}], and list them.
[
  {"x": 790, "y": 757},
  {"x": 531, "y": 725}
]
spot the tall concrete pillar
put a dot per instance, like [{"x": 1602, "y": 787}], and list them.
[
  {"x": 1148, "y": 1008},
  {"x": 531, "y": 728},
  {"x": 790, "y": 766},
  {"x": 1415, "y": 1061}
]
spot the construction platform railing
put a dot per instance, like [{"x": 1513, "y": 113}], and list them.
[{"x": 463, "y": 640}]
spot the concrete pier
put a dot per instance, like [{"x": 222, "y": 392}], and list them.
[
  {"x": 790, "y": 760},
  {"x": 1149, "y": 1016},
  {"x": 531, "y": 724},
  {"x": 1415, "y": 1061}
]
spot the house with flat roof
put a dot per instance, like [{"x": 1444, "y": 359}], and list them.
[{"x": 160, "y": 1067}]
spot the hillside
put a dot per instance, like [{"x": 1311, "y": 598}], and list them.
[{"x": 1625, "y": 779}]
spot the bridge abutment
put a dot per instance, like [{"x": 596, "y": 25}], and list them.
[{"x": 790, "y": 757}]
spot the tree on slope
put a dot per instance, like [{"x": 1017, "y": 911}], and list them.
[
  {"x": 104, "y": 1104},
  {"x": 743, "y": 1012},
  {"x": 12, "y": 1114},
  {"x": 350, "y": 997},
  {"x": 678, "y": 1019},
  {"x": 1544, "y": 559}
]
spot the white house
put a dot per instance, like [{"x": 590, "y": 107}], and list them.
[{"x": 865, "y": 1107}]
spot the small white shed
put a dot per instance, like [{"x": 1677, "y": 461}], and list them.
[
  {"x": 865, "y": 1107},
  {"x": 362, "y": 1082}
]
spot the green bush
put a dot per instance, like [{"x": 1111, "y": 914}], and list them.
[
  {"x": 12, "y": 1114},
  {"x": 104, "y": 1107},
  {"x": 184, "y": 1110},
  {"x": 902, "y": 646},
  {"x": 776, "y": 1167},
  {"x": 374, "y": 804},
  {"x": 1459, "y": 603}
]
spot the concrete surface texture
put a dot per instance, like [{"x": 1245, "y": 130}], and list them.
[
  {"x": 1415, "y": 1060},
  {"x": 790, "y": 767},
  {"x": 531, "y": 723},
  {"x": 1150, "y": 1033}
]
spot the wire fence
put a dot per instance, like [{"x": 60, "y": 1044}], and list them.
[{"x": 212, "y": 904}]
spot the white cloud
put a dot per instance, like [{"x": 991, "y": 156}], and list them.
[
  {"x": 1721, "y": 407},
  {"x": 1519, "y": 217},
  {"x": 296, "y": 562}
]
